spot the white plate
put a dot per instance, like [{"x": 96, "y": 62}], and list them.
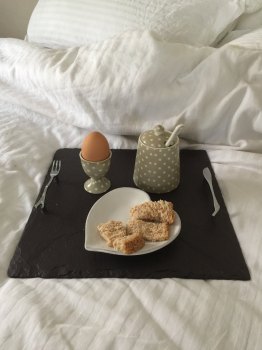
[{"x": 115, "y": 205}]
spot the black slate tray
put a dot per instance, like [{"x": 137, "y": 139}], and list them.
[{"x": 52, "y": 244}]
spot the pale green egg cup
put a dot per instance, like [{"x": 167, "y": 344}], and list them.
[{"x": 97, "y": 183}]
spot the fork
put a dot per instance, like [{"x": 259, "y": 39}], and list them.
[
  {"x": 56, "y": 166},
  {"x": 208, "y": 177}
]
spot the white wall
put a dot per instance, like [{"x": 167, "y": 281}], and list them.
[{"x": 14, "y": 17}]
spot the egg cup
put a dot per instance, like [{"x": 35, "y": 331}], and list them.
[{"x": 97, "y": 183}]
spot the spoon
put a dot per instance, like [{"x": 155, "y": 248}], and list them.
[
  {"x": 208, "y": 177},
  {"x": 174, "y": 134}
]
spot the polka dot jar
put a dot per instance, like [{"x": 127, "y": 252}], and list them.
[{"x": 157, "y": 167}]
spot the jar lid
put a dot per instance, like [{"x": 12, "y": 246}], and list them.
[{"x": 156, "y": 137}]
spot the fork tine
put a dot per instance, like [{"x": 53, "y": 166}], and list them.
[
  {"x": 56, "y": 165},
  {"x": 53, "y": 165}
]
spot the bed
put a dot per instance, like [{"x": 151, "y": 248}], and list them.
[{"x": 194, "y": 63}]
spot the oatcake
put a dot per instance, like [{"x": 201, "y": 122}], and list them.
[
  {"x": 159, "y": 211},
  {"x": 115, "y": 234},
  {"x": 151, "y": 231},
  {"x": 149, "y": 221},
  {"x": 111, "y": 230},
  {"x": 130, "y": 243}
]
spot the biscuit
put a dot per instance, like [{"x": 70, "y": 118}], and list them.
[
  {"x": 129, "y": 244},
  {"x": 151, "y": 231},
  {"x": 111, "y": 230},
  {"x": 159, "y": 211}
]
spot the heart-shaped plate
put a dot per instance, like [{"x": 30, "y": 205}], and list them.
[{"x": 116, "y": 205}]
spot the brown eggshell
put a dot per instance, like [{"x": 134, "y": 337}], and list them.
[{"x": 95, "y": 147}]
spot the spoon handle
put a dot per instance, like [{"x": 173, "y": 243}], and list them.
[
  {"x": 174, "y": 135},
  {"x": 208, "y": 177}
]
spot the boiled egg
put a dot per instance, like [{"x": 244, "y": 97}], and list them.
[{"x": 95, "y": 147}]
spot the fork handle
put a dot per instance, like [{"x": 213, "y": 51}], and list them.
[{"x": 42, "y": 198}]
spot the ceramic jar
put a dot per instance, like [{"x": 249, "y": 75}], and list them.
[{"x": 157, "y": 167}]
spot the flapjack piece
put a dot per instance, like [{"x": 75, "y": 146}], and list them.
[{"x": 157, "y": 211}]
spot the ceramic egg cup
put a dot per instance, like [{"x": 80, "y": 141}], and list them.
[{"x": 97, "y": 183}]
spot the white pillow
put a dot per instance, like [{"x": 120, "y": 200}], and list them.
[
  {"x": 252, "y": 5},
  {"x": 64, "y": 23},
  {"x": 246, "y": 23},
  {"x": 250, "y": 21}
]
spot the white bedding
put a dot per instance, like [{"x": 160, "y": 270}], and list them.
[
  {"x": 133, "y": 82},
  {"x": 51, "y": 99}
]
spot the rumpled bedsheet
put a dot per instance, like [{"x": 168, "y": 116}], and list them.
[{"x": 132, "y": 82}]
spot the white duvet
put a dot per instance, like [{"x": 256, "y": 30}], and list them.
[
  {"x": 50, "y": 99},
  {"x": 133, "y": 82}
]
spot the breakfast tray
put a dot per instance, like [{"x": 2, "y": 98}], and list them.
[{"x": 52, "y": 244}]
